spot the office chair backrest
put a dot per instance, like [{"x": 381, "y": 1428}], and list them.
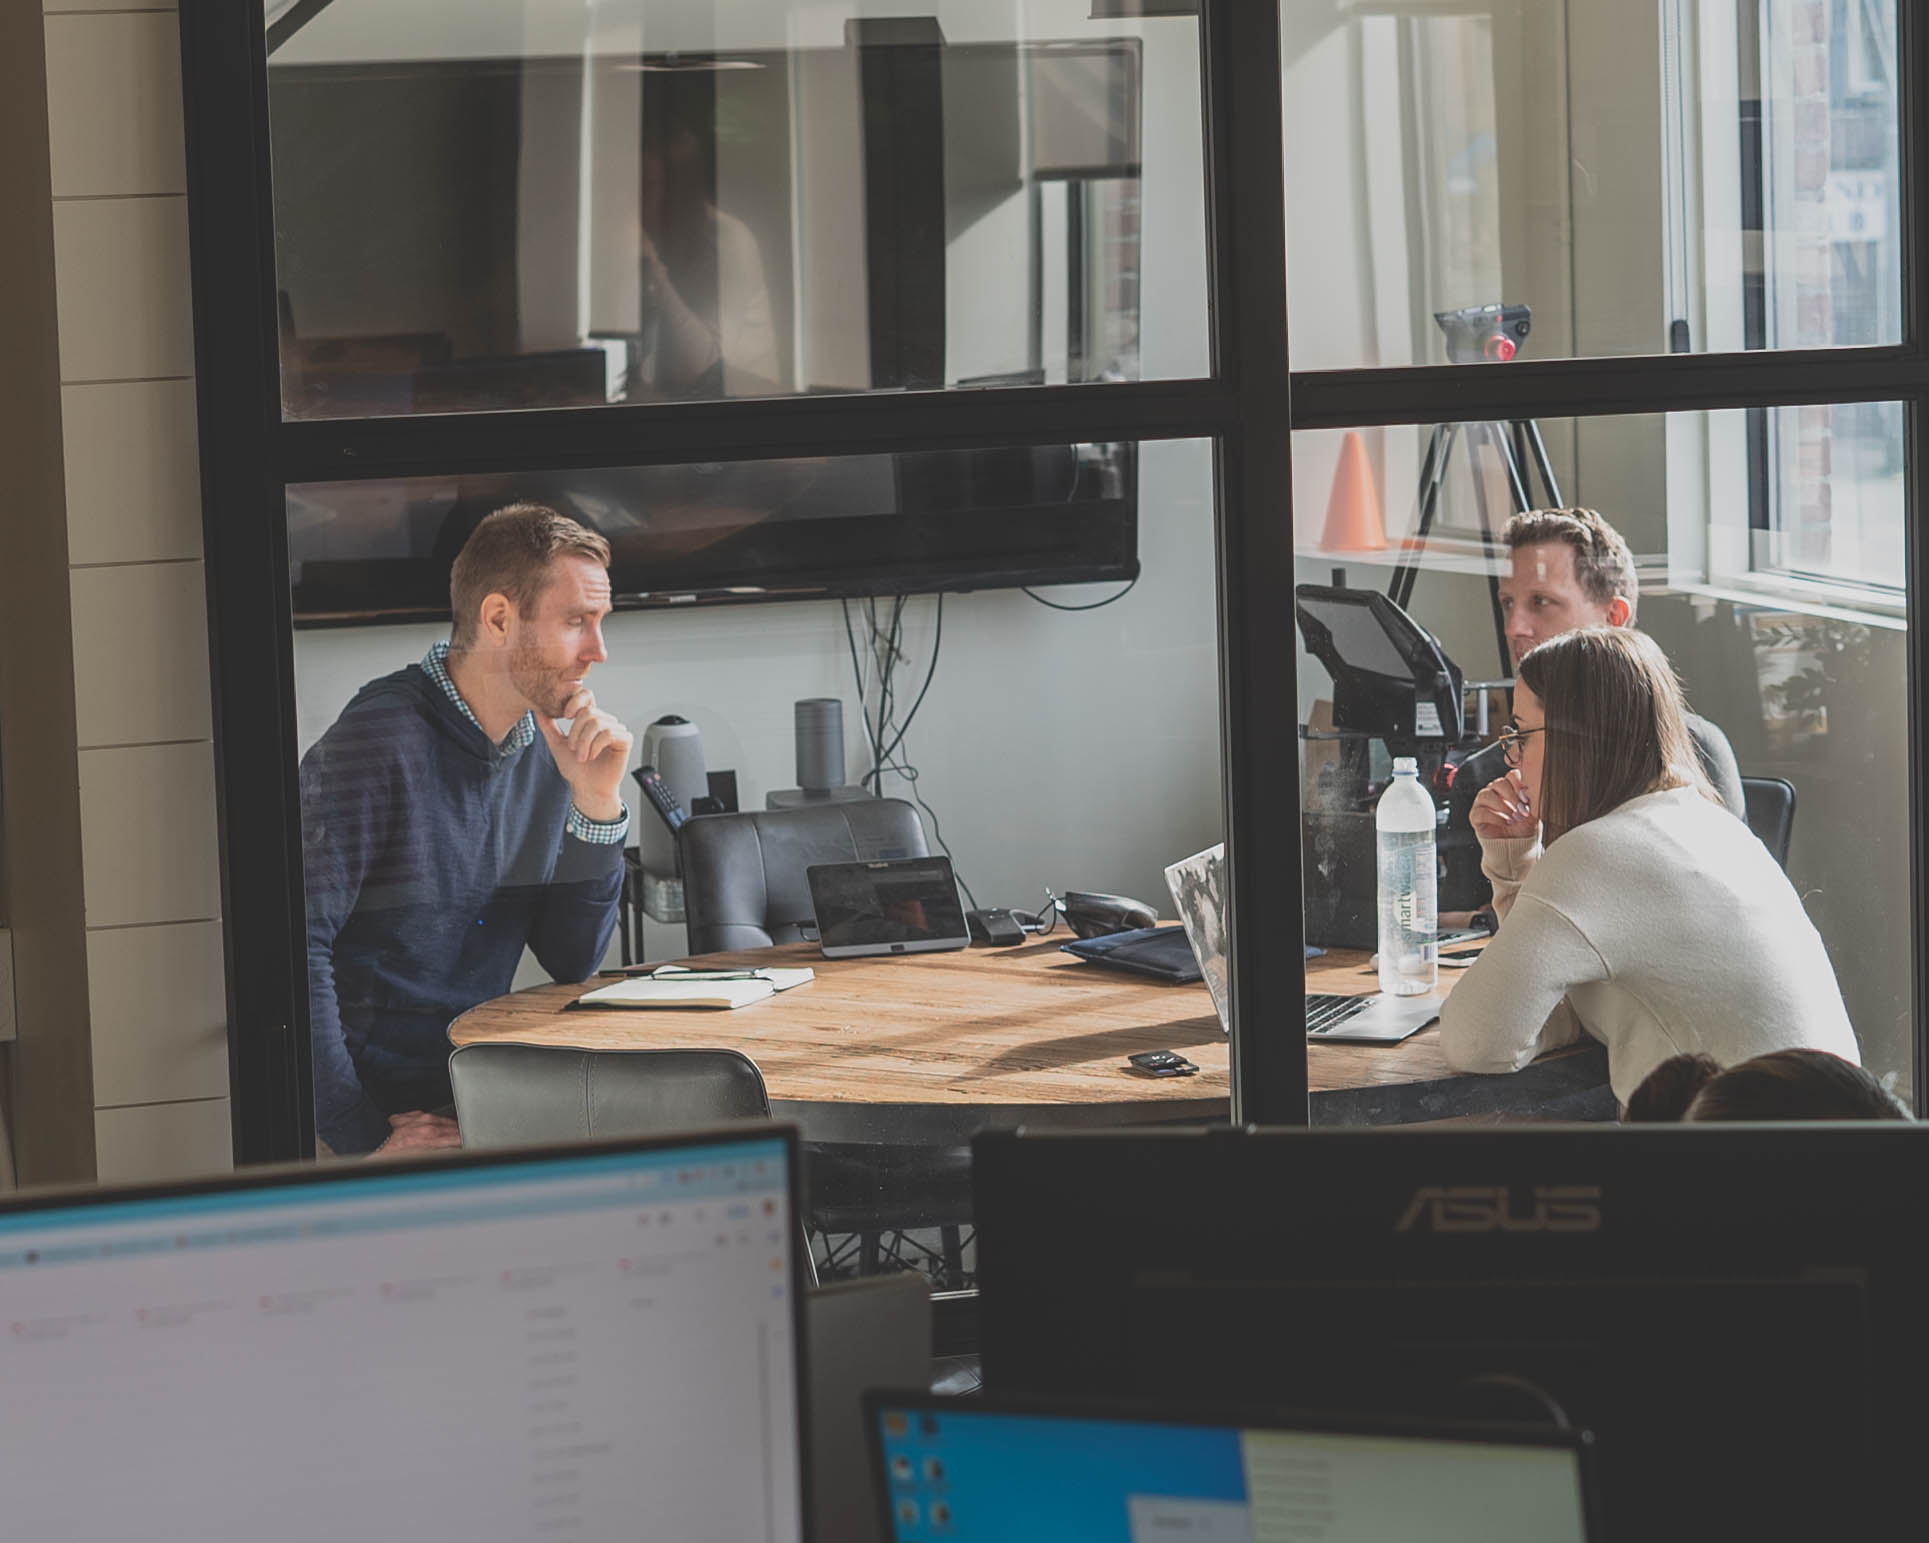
[
  {"x": 1769, "y": 810},
  {"x": 538, "y": 1095},
  {"x": 531, "y": 1095},
  {"x": 743, "y": 874}
]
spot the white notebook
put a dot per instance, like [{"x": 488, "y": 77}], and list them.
[{"x": 694, "y": 989}]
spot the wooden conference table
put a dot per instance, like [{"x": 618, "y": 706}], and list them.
[{"x": 927, "y": 1049}]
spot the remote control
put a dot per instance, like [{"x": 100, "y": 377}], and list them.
[{"x": 660, "y": 797}]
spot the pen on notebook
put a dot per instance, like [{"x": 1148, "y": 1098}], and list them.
[{"x": 677, "y": 972}]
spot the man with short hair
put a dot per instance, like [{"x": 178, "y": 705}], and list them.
[
  {"x": 1569, "y": 568},
  {"x": 439, "y": 838}
]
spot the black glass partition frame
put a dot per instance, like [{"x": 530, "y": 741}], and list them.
[
  {"x": 1235, "y": 398},
  {"x": 249, "y": 458}
]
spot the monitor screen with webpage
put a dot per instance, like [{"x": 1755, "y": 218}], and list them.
[
  {"x": 990, "y": 1471},
  {"x": 592, "y": 1342}
]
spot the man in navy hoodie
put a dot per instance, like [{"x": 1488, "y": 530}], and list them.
[{"x": 440, "y": 837}]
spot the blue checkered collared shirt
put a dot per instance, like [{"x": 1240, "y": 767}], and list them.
[{"x": 435, "y": 663}]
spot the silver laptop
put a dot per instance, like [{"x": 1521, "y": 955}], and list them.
[
  {"x": 1198, "y": 885},
  {"x": 900, "y": 905},
  {"x": 1377, "y": 1019}
]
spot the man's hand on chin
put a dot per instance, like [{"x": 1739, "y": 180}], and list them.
[
  {"x": 416, "y": 1130},
  {"x": 592, "y": 756}
]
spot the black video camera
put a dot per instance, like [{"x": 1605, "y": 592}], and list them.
[{"x": 1485, "y": 334}]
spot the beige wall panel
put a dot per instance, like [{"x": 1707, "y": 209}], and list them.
[
  {"x": 141, "y": 654},
  {"x": 133, "y": 472},
  {"x": 122, "y": 288},
  {"x": 114, "y": 105},
  {"x": 50, "y": 1097},
  {"x": 164, "y": 1141},
  {"x": 68, "y": 7},
  {"x": 148, "y": 843},
  {"x": 160, "y": 1008}
]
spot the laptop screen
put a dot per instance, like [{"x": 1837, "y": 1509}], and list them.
[
  {"x": 566, "y": 1346},
  {"x": 900, "y": 905},
  {"x": 968, "y": 1475}
]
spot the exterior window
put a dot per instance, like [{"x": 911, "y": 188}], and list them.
[
  {"x": 1826, "y": 496},
  {"x": 1672, "y": 177}
]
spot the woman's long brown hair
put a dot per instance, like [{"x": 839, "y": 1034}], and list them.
[{"x": 1616, "y": 727}]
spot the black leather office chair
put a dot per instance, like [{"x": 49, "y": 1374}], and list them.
[
  {"x": 871, "y": 1198},
  {"x": 536, "y": 1095},
  {"x": 525, "y": 1095},
  {"x": 1769, "y": 810},
  {"x": 868, "y": 1205},
  {"x": 743, "y": 874},
  {"x": 744, "y": 887}
]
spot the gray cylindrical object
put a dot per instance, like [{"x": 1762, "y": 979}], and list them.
[
  {"x": 672, "y": 746},
  {"x": 820, "y": 743}
]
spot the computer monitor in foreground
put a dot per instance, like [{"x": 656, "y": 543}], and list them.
[
  {"x": 1735, "y": 1312},
  {"x": 595, "y": 1342},
  {"x": 987, "y": 1470}
]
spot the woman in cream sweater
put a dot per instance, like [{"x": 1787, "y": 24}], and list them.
[{"x": 1633, "y": 907}]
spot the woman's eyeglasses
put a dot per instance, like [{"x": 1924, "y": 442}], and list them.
[{"x": 1513, "y": 742}]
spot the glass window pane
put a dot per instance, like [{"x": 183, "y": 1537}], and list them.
[
  {"x": 1048, "y": 751},
  {"x": 1826, "y": 503},
  {"x": 1804, "y": 680},
  {"x": 516, "y": 204},
  {"x": 1684, "y": 176}
]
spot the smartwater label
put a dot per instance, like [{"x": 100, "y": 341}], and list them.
[{"x": 1407, "y": 911}]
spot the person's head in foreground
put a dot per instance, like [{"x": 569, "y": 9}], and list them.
[
  {"x": 1782, "y": 1085},
  {"x": 1566, "y": 568},
  {"x": 1598, "y": 720}
]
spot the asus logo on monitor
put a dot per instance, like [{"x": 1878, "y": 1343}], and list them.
[{"x": 1554, "y": 1208}]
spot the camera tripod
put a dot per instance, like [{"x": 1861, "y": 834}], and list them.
[{"x": 1521, "y": 450}]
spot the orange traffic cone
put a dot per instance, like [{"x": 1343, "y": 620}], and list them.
[{"x": 1353, "y": 519}]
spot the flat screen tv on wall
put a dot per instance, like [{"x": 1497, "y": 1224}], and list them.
[{"x": 909, "y": 523}]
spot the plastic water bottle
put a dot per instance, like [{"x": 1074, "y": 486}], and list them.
[{"x": 1404, "y": 819}]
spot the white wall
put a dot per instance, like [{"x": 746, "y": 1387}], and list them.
[
  {"x": 154, "y": 949},
  {"x": 1329, "y": 258}
]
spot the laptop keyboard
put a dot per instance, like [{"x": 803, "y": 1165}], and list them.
[{"x": 1326, "y": 1011}]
